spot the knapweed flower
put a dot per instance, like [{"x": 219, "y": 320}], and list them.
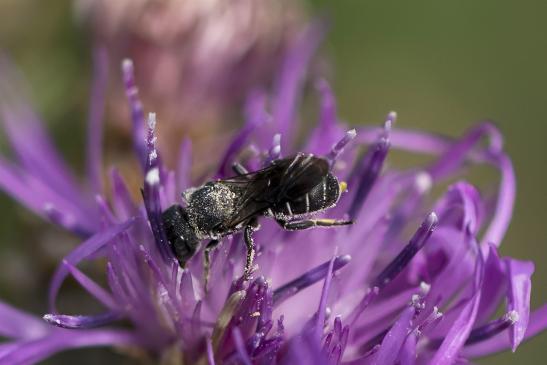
[
  {"x": 197, "y": 60},
  {"x": 416, "y": 279}
]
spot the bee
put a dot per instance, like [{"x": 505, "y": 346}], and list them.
[{"x": 289, "y": 190}]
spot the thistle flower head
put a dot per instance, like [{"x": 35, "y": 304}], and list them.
[
  {"x": 416, "y": 279},
  {"x": 197, "y": 60}
]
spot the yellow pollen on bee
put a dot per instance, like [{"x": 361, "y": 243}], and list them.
[{"x": 343, "y": 186}]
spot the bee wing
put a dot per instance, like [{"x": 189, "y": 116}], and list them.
[
  {"x": 303, "y": 173},
  {"x": 255, "y": 193},
  {"x": 284, "y": 180}
]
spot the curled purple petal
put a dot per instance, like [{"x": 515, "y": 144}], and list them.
[
  {"x": 459, "y": 151},
  {"x": 495, "y": 285},
  {"x": 500, "y": 342},
  {"x": 493, "y": 328},
  {"x": 505, "y": 201},
  {"x": 518, "y": 297}
]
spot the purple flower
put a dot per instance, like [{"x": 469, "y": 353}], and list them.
[
  {"x": 416, "y": 279},
  {"x": 197, "y": 61}
]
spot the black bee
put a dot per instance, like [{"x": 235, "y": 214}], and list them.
[{"x": 288, "y": 190}]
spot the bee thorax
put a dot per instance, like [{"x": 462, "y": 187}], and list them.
[{"x": 209, "y": 206}]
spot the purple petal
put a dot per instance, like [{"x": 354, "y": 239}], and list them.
[
  {"x": 492, "y": 328},
  {"x": 95, "y": 119},
  {"x": 64, "y": 219},
  {"x": 452, "y": 159},
  {"x": 85, "y": 249},
  {"x": 363, "y": 304},
  {"x": 121, "y": 198},
  {"x": 323, "y": 301},
  {"x": 394, "y": 339},
  {"x": 40, "y": 198},
  {"x": 461, "y": 327},
  {"x": 31, "y": 352},
  {"x": 339, "y": 146},
  {"x": 407, "y": 356},
  {"x": 91, "y": 286},
  {"x": 309, "y": 278},
  {"x": 81, "y": 322},
  {"x": 19, "y": 325},
  {"x": 28, "y": 137},
  {"x": 461, "y": 207},
  {"x": 500, "y": 342},
  {"x": 410, "y": 140},
  {"x": 305, "y": 350},
  {"x": 518, "y": 296},
  {"x": 210, "y": 353},
  {"x": 401, "y": 261},
  {"x": 372, "y": 166},
  {"x": 420, "y": 142},
  {"x": 151, "y": 192},
  {"x": 386, "y": 308},
  {"x": 505, "y": 202},
  {"x": 137, "y": 112},
  {"x": 240, "y": 346},
  {"x": 495, "y": 286}
]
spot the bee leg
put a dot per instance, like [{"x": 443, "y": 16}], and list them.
[
  {"x": 311, "y": 223},
  {"x": 239, "y": 169},
  {"x": 207, "y": 261},
  {"x": 249, "y": 242}
]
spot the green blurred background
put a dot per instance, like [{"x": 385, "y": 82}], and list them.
[{"x": 442, "y": 65}]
